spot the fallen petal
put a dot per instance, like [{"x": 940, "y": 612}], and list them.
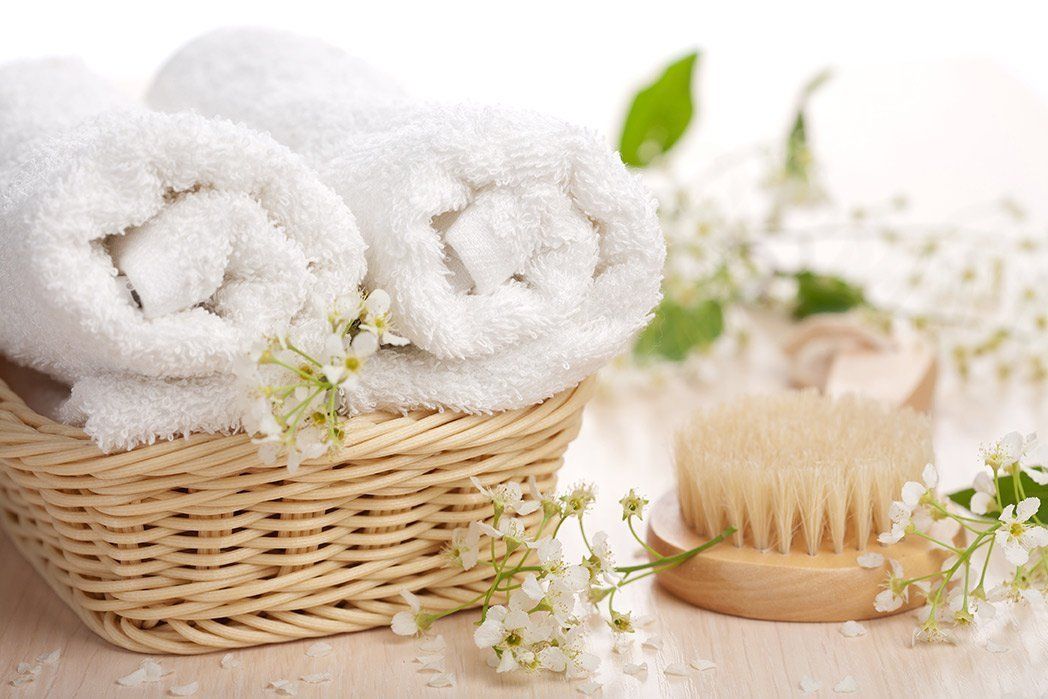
[
  {"x": 229, "y": 661},
  {"x": 442, "y": 680},
  {"x": 847, "y": 685},
  {"x": 995, "y": 647},
  {"x": 285, "y": 688},
  {"x": 153, "y": 671},
  {"x": 852, "y": 629},
  {"x": 317, "y": 678},
  {"x": 588, "y": 688},
  {"x": 635, "y": 669},
  {"x": 51, "y": 658},
  {"x": 676, "y": 670},
  {"x": 318, "y": 650},
  {"x": 185, "y": 690},
  {"x": 870, "y": 560},
  {"x": 432, "y": 663},
  {"x": 134, "y": 679},
  {"x": 433, "y": 644},
  {"x": 810, "y": 685},
  {"x": 701, "y": 664}
]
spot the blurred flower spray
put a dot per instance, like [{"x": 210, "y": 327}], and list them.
[{"x": 969, "y": 285}]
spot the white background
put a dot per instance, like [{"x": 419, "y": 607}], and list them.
[{"x": 943, "y": 100}]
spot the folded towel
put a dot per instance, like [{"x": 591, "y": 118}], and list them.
[
  {"x": 519, "y": 253},
  {"x": 141, "y": 253}
]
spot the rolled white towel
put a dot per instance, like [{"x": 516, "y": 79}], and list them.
[
  {"x": 519, "y": 252},
  {"x": 144, "y": 252}
]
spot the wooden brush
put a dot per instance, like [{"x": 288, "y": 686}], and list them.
[{"x": 807, "y": 481}]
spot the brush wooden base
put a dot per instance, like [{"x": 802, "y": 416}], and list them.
[{"x": 780, "y": 587}]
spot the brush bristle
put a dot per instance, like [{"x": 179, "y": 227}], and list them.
[{"x": 798, "y": 468}]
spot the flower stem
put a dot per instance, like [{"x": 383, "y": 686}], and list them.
[{"x": 668, "y": 561}]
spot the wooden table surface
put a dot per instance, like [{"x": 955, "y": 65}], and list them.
[{"x": 623, "y": 444}]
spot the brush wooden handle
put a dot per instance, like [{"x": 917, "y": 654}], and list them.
[{"x": 780, "y": 587}]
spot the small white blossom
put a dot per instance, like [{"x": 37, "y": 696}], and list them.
[
  {"x": 375, "y": 318},
  {"x": 1015, "y": 454},
  {"x": 551, "y": 506},
  {"x": 464, "y": 549},
  {"x": 985, "y": 497},
  {"x": 601, "y": 562},
  {"x": 578, "y": 500},
  {"x": 508, "y": 496},
  {"x": 1016, "y": 537},
  {"x": 413, "y": 622},
  {"x": 343, "y": 367},
  {"x": 632, "y": 505},
  {"x": 895, "y": 591},
  {"x": 509, "y": 528}
]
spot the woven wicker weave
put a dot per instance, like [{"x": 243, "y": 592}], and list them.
[{"x": 194, "y": 545}]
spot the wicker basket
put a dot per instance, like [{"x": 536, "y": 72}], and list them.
[{"x": 193, "y": 545}]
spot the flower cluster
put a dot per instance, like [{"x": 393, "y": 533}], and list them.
[
  {"x": 535, "y": 611},
  {"x": 1000, "y": 515},
  {"x": 294, "y": 395}
]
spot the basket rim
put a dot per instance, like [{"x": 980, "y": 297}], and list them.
[{"x": 21, "y": 425}]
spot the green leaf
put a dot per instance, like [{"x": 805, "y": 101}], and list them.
[
  {"x": 676, "y": 330},
  {"x": 798, "y": 151},
  {"x": 824, "y": 293},
  {"x": 659, "y": 115},
  {"x": 1032, "y": 490}
]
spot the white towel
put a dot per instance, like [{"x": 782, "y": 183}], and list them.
[
  {"x": 142, "y": 253},
  {"x": 519, "y": 253}
]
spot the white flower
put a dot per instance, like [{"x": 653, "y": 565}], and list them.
[
  {"x": 1016, "y": 537},
  {"x": 913, "y": 492},
  {"x": 343, "y": 369},
  {"x": 346, "y": 307},
  {"x": 553, "y": 658},
  {"x": 509, "y": 528},
  {"x": 413, "y": 622},
  {"x": 985, "y": 497},
  {"x": 258, "y": 420},
  {"x": 464, "y": 549},
  {"x": 1015, "y": 454},
  {"x": 309, "y": 443},
  {"x": 601, "y": 563},
  {"x": 507, "y": 496},
  {"x": 632, "y": 505},
  {"x": 579, "y": 498},
  {"x": 551, "y": 507},
  {"x": 375, "y": 319},
  {"x": 550, "y": 552},
  {"x": 561, "y": 596},
  {"x": 903, "y": 512},
  {"x": 895, "y": 591}
]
